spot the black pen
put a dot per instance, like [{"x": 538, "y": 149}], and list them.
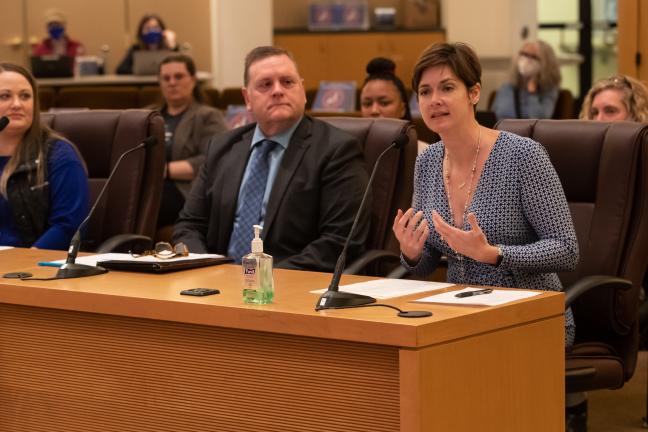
[{"x": 474, "y": 293}]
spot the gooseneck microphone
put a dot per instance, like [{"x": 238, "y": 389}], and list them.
[
  {"x": 71, "y": 269},
  {"x": 333, "y": 298},
  {"x": 4, "y": 121}
]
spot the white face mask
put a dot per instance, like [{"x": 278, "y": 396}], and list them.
[{"x": 528, "y": 67}]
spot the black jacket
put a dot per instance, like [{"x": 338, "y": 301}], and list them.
[
  {"x": 313, "y": 202},
  {"x": 29, "y": 201}
]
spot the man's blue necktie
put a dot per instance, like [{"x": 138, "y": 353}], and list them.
[{"x": 252, "y": 196}]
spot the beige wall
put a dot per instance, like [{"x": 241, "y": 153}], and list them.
[
  {"x": 237, "y": 28},
  {"x": 12, "y": 33},
  {"x": 102, "y": 23}
]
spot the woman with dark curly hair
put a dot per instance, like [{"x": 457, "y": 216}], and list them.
[{"x": 383, "y": 93}]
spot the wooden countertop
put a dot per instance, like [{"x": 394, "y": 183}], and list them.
[{"x": 158, "y": 297}]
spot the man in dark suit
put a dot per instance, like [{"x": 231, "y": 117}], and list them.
[{"x": 299, "y": 177}]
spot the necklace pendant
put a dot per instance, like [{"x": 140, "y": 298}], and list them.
[{"x": 462, "y": 185}]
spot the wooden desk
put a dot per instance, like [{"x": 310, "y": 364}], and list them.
[{"x": 124, "y": 351}]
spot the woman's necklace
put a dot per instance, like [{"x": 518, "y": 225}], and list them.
[
  {"x": 468, "y": 192},
  {"x": 462, "y": 185}
]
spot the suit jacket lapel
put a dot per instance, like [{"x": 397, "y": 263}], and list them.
[
  {"x": 292, "y": 157},
  {"x": 233, "y": 167}
]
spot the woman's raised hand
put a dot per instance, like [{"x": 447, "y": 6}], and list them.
[
  {"x": 411, "y": 231},
  {"x": 472, "y": 243}
]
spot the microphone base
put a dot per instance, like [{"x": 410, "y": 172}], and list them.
[
  {"x": 414, "y": 314},
  {"x": 341, "y": 299},
  {"x": 70, "y": 271}
]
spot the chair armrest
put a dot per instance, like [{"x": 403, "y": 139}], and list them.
[
  {"x": 578, "y": 377},
  {"x": 124, "y": 243},
  {"x": 367, "y": 258},
  {"x": 589, "y": 282}
]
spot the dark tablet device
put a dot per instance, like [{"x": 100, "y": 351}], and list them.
[{"x": 161, "y": 266}]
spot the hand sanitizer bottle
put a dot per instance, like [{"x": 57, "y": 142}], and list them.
[{"x": 258, "y": 285}]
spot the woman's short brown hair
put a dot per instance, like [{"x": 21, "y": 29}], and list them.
[{"x": 459, "y": 57}]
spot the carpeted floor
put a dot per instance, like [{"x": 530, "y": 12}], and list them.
[{"x": 620, "y": 410}]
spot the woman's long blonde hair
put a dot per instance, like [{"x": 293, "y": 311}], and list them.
[
  {"x": 635, "y": 96},
  {"x": 32, "y": 146}
]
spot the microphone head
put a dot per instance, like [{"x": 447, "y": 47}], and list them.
[
  {"x": 4, "y": 121},
  {"x": 401, "y": 140},
  {"x": 149, "y": 141}
]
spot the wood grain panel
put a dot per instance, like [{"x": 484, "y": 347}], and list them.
[
  {"x": 504, "y": 381},
  {"x": 75, "y": 371},
  {"x": 628, "y": 35},
  {"x": 344, "y": 56}
]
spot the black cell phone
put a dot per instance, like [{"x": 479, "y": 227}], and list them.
[{"x": 200, "y": 291}]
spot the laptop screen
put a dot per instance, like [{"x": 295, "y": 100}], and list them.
[
  {"x": 52, "y": 66},
  {"x": 147, "y": 62}
]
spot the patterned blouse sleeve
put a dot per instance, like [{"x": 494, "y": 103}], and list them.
[
  {"x": 545, "y": 208},
  {"x": 431, "y": 256}
]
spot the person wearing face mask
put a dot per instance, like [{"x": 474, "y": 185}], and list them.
[
  {"x": 617, "y": 98},
  {"x": 534, "y": 85},
  {"x": 57, "y": 42},
  {"x": 152, "y": 34}
]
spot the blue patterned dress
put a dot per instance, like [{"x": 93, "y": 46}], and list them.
[{"x": 520, "y": 206}]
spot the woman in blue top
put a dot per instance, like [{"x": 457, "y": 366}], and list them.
[
  {"x": 41, "y": 204},
  {"x": 534, "y": 84},
  {"x": 495, "y": 202}
]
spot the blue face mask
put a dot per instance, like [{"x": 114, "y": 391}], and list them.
[
  {"x": 152, "y": 37},
  {"x": 56, "y": 32}
]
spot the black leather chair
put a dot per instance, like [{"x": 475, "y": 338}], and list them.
[
  {"x": 230, "y": 96},
  {"x": 604, "y": 170},
  {"x": 130, "y": 206},
  {"x": 392, "y": 188}
]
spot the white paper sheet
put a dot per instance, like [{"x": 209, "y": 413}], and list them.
[
  {"x": 93, "y": 259},
  {"x": 497, "y": 297},
  {"x": 388, "y": 288}
]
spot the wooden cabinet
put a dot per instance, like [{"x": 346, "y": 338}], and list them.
[
  {"x": 344, "y": 56},
  {"x": 633, "y": 38}
]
